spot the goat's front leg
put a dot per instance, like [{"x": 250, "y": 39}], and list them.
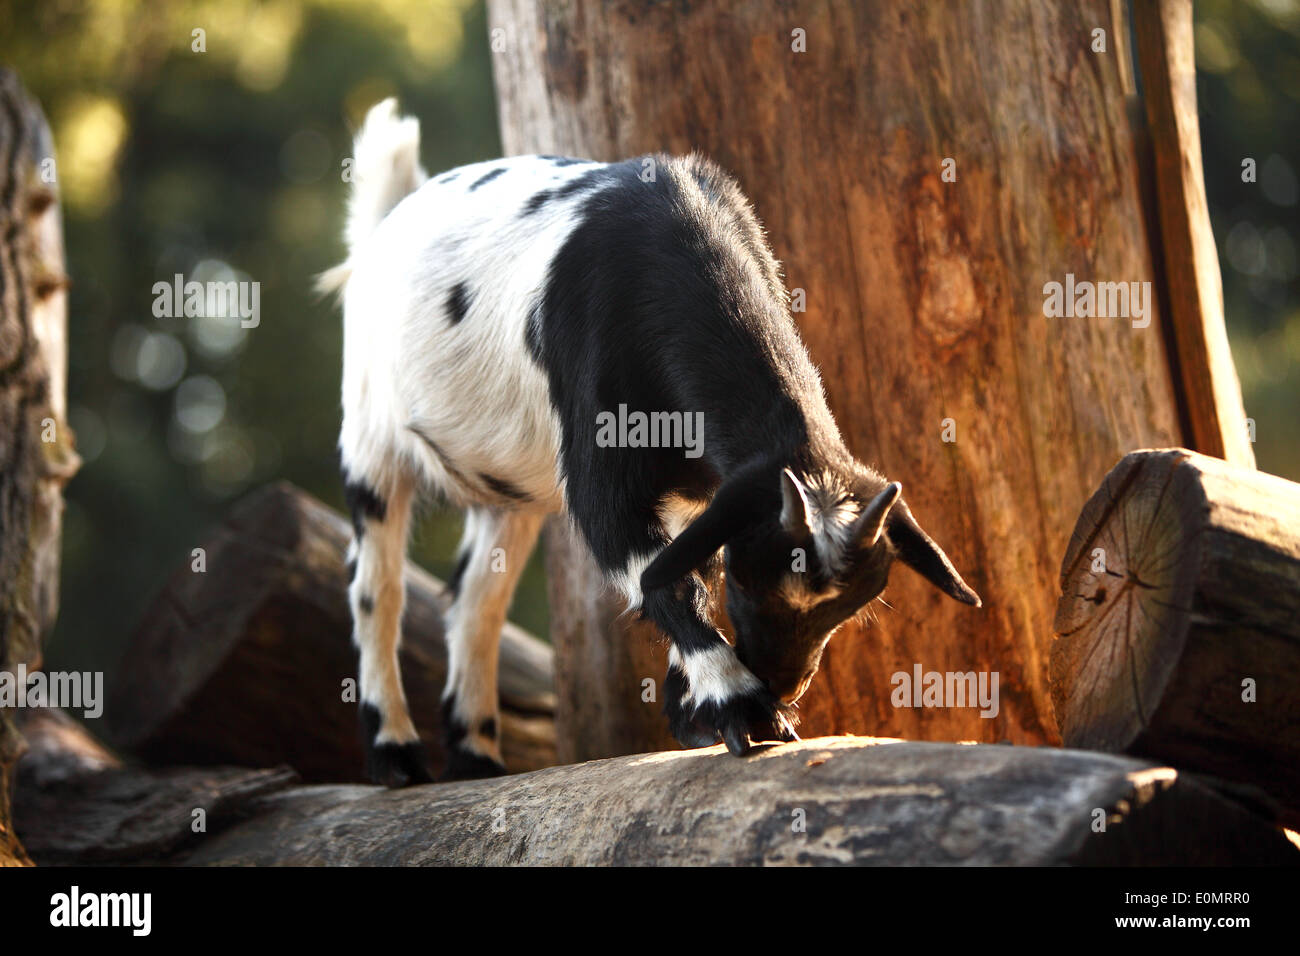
[{"x": 708, "y": 692}]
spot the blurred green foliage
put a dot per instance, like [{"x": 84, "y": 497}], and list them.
[
  {"x": 221, "y": 164},
  {"x": 1248, "y": 90},
  {"x": 226, "y": 164}
]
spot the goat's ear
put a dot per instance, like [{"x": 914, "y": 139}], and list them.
[
  {"x": 794, "y": 505},
  {"x": 867, "y": 529},
  {"x": 921, "y": 554},
  {"x": 732, "y": 509}
]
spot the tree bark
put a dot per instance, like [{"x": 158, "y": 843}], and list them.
[
  {"x": 925, "y": 294},
  {"x": 835, "y": 801},
  {"x": 1179, "y": 621},
  {"x": 246, "y": 662},
  {"x": 36, "y": 445}
]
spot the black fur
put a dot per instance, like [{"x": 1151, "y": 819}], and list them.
[
  {"x": 533, "y": 334},
  {"x": 503, "y": 487},
  {"x": 366, "y": 603},
  {"x": 458, "y": 572},
  {"x": 666, "y": 297},
  {"x": 537, "y": 201},
  {"x": 486, "y": 178},
  {"x": 563, "y": 160},
  {"x": 351, "y": 569},
  {"x": 392, "y": 765},
  {"x": 740, "y": 722},
  {"x": 457, "y": 303},
  {"x": 488, "y": 728},
  {"x": 363, "y": 502},
  {"x": 463, "y": 763},
  {"x": 651, "y": 262}
]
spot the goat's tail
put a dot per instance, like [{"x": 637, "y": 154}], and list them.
[{"x": 385, "y": 169}]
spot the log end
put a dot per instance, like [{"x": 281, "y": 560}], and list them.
[{"x": 1126, "y": 584}]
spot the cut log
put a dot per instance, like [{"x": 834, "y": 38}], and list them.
[
  {"x": 1178, "y": 627},
  {"x": 921, "y": 180},
  {"x": 247, "y": 662},
  {"x": 828, "y": 801},
  {"x": 36, "y": 445}
]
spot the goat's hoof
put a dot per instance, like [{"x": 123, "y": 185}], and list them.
[
  {"x": 752, "y": 718},
  {"x": 464, "y": 764},
  {"x": 397, "y": 765}
]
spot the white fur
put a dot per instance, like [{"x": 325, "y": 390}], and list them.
[
  {"x": 714, "y": 674},
  {"x": 471, "y": 388}
]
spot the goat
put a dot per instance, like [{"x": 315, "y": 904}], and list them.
[{"x": 494, "y": 317}]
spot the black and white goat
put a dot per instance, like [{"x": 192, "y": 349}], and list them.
[{"x": 492, "y": 316}]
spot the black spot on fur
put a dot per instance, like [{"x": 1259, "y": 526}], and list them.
[
  {"x": 393, "y": 765},
  {"x": 488, "y": 728},
  {"x": 442, "y": 456},
  {"x": 366, "y": 603},
  {"x": 363, "y": 502},
  {"x": 352, "y": 570},
  {"x": 562, "y": 160},
  {"x": 503, "y": 487},
  {"x": 588, "y": 180},
  {"x": 458, "y": 572},
  {"x": 487, "y": 178},
  {"x": 447, "y": 177},
  {"x": 457, "y": 303},
  {"x": 537, "y": 201}
]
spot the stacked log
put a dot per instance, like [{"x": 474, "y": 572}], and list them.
[
  {"x": 246, "y": 656},
  {"x": 1178, "y": 626}
]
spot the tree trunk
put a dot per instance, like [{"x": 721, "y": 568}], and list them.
[
  {"x": 36, "y": 445},
  {"x": 1179, "y": 621},
  {"x": 923, "y": 171},
  {"x": 842, "y": 801},
  {"x": 247, "y": 662}
]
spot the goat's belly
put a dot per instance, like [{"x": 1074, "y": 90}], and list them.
[{"x": 480, "y": 415}]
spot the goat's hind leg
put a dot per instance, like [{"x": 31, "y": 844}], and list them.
[
  {"x": 493, "y": 551},
  {"x": 381, "y": 507}
]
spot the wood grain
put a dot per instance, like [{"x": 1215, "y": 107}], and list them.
[
  {"x": 1207, "y": 380},
  {"x": 925, "y": 298},
  {"x": 1180, "y": 587}
]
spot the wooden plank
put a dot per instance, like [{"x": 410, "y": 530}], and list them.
[{"x": 1207, "y": 379}]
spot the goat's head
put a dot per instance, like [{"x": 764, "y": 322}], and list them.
[{"x": 801, "y": 563}]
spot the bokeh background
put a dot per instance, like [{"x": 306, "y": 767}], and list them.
[{"x": 227, "y": 164}]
